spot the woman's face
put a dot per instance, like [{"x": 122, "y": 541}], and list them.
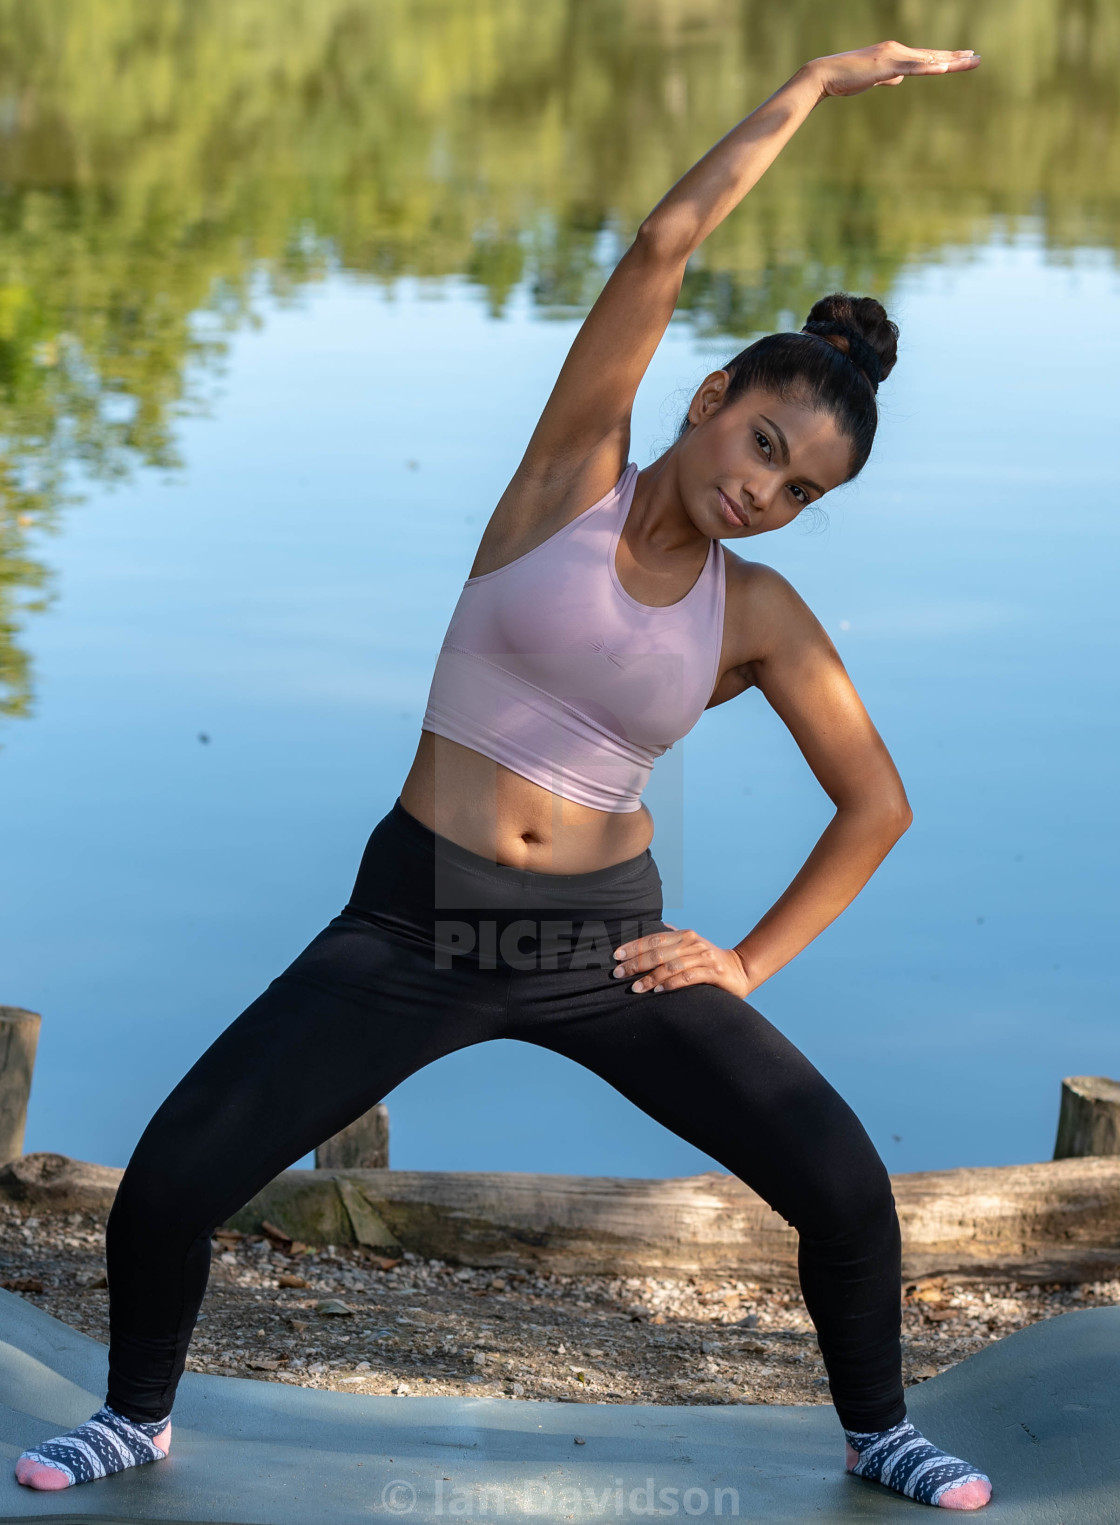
[{"x": 752, "y": 465}]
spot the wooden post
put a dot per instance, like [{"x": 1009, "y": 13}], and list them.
[
  {"x": 362, "y": 1144},
  {"x": 1089, "y": 1120},
  {"x": 19, "y": 1038}
]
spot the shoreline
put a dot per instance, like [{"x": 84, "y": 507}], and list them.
[{"x": 423, "y": 1326}]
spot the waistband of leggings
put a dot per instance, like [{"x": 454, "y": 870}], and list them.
[{"x": 578, "y": 888}]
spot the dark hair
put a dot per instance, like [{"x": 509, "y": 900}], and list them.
[{"x": 815, "y": 366}]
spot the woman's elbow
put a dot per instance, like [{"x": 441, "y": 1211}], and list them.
[
  {"x": 898, "y": 817},
  {"x": 662, "y": 240},
  {"x": 883, "y": 817}
]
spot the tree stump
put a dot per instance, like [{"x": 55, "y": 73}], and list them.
[
  {"x": 19, "y": 1038},
  {"x": 1089, "y": 1120},
  {"x": 361, "y": 1145}
]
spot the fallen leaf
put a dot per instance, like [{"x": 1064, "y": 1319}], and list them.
[
  {"x": 332, "y": 1305},
  {"x": 292, "y": 1281},
  {"x": 91, "y": 1283},
  {"x": 925, "y": 1286},
  {"x": 277, "y": 1235},
  {"x": 22, "y": 1284},
  {"x": 298, "y": 1324},
  {"x": 263, "y": 1364}
]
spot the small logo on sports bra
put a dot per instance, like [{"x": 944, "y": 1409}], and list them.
[{"x": 604, "y": 650}]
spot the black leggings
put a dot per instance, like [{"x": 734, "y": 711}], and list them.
[{"x": 439, "y": 949}]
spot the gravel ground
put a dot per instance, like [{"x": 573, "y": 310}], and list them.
[{"x": 343, "y": 1318}]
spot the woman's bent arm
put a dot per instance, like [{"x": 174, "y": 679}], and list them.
[
  {"x": 715, "y": 185},
  {"x": 848, "y": 852},
  {"x": 591, "y": 402},
  {"x": 800, "y": 673},
  {"x": 594, "y": 393}
]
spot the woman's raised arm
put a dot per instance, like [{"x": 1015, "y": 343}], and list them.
[{"x": 583, "y": 435}]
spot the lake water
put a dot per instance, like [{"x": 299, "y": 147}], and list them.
[{"x": 271, "y": 350}]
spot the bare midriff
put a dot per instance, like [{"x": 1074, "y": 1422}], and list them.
[{"x": 507, "y": 819}]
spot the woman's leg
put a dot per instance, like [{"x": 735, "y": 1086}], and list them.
[
  {"x": 357, "y": 1012},
  {"x": 713, "y": 1070}
]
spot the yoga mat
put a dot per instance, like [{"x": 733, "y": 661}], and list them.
[{"x": 1038, "y": 1411}]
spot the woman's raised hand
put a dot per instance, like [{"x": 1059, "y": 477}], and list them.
[
  {"x": 886, "y": 63},
  {"x": 678, "y": 958}
]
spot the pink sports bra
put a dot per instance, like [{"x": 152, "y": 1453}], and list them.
[{"x": 552, "y": 669}]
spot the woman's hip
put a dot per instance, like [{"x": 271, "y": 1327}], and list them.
[{"x": 430, "y": 890}]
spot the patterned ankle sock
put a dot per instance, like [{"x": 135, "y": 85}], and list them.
[
  {"x": 905, "y": 1460},
  {"x": 106, "y": 1443}
]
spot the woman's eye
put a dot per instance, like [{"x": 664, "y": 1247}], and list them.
[
  {"x": 764, "y": 442},
  {"x": 801, "y": 494}
]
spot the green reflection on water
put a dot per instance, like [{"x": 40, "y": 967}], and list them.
[{"x": 165, "y": 159}]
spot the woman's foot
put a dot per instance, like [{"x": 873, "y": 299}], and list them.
[
  {"x": 903, "y": 1459},
  {"x": 106, "y": 1443}
]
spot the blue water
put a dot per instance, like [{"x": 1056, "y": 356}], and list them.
[{"x": 285, "y": 595}]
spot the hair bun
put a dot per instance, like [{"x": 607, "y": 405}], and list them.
[{"x": 865, "y": 317}]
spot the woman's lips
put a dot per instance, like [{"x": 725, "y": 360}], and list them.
[{"x": 730, "y": 512}]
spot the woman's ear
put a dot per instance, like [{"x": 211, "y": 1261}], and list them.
[{"x": 710, "y": 396}]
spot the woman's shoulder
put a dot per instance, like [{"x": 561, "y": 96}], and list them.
[
  {"x": 763, "y": 608},
  {"x": 754, "y": 581}
]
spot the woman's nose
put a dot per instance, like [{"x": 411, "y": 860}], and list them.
[{"x": 759, "y": 495}]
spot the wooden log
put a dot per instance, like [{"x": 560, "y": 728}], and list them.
[
  {"x": 1051, "y": 1221},
  {"x": 361, "y": 1145},
  {"x": 1058, "y": 1220},
  {"x": 19, "y": 1038},
  {"x": 1089, "y": 1120}
]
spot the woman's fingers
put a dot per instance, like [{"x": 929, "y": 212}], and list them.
[
  {"x": 646, "y": 953},
  {"x": 938, "y": 61},
  {"x": 670, "y": 961}
]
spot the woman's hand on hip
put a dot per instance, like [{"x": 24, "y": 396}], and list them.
[
  {"x": 885, "y": 63},
  {"x": 678, "y": 958}
]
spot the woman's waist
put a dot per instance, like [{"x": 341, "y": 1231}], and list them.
[
  {"x": 511, "y": 821},
  {"x": 412, "y": 876}
]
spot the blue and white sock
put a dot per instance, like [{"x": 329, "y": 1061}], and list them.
[
  {"x": 106, "y": 1443},
  {"x": 906, "y": 1461}
]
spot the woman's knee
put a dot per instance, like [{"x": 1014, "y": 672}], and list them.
[
  {"x": 851, "y": 1199},
  {"x": 846, "y": 1187}
]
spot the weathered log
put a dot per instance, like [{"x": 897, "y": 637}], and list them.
[
  {"x": 19, "y": 1038},
  {"x": 361, "y": 1145},
  {"x": 1052, "y": 1221},
  {"x": 1089, "y": 1120},
  {"x": 1058, "y": 1220}
]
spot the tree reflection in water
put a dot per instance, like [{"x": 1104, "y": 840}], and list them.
[{"x": 167, "y": 164}]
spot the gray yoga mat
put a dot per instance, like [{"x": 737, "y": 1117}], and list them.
[{"x": 1039, "y": 1411}]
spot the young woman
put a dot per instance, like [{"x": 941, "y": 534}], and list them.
[{"x": 510, "y": 891}]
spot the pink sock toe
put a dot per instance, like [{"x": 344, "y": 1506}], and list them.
[
  {"x": 35, "y": 1474},
  {"x": 972, "y": 1495}
]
